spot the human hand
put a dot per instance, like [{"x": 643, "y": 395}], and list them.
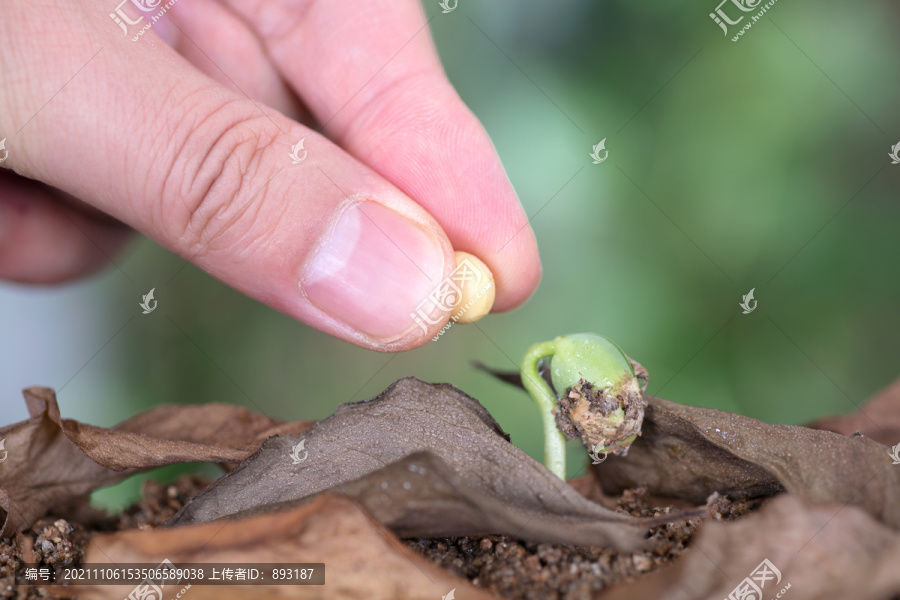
[{"x": 191, "y": 147}]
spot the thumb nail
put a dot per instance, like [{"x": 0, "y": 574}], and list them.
[{"x": 372, "y": 271}]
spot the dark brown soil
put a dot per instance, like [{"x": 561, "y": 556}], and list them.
[
  {"x": 521, "y": 570},
  {"x": 53, "y": 541},
  {"x": 50, "y": 541},
  {"x": 505, "y": 566}
]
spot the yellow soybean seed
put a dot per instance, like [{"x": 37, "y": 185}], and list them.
[{"x": 476, "y": 283}]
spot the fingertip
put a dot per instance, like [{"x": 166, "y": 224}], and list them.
[
  {"x": 450, "y": 167},
  {"x": 518, "y": 271}
]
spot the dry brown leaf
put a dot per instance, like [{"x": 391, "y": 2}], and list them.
[
  {"x": 52, "y": 461},
  {"x": 824, "y": 552},
  {"x": 363, "y": 560},
  {"x": 425, "y": 458},
  {"x": 878, "y": 419},
  {"x": 690, "y": 452},
  {"x": 422, "y": 496}
]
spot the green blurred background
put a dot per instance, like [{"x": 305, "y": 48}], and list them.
[{"x": 758, "y": 164}]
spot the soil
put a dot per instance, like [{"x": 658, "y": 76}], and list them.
[
  {"x": 52, "y": 541},
  {"x": 516, "y": 570},
  {"x": 505, "y": 566}
]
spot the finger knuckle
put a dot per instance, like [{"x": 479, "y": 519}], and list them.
[{"x": 217, "y": 186}]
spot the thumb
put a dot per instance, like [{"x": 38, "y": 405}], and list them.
[{"x": 222, "y": 181}]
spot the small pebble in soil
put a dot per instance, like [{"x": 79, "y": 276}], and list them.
[
  {"x": 506, "y": 566},
  {"x": 54, "y": 541},
  {"x": 49, "y": 542},
  {"x": 519, "y": 570}
]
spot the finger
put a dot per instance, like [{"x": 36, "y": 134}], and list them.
[
  {"x": 207, "y": 174},
  {"x": 388, "y": 102},
  {"x": 219, "y": 43},
  {"x": 43, "y": 239}
]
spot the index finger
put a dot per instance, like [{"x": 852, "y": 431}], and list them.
[{"x": 370, "y": 73}]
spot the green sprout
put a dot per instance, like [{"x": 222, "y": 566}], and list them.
[{"x": 599, "y": 395}]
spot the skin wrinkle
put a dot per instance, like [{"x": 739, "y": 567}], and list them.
[
  {"x": 187, "y": 179},
  {"x": 345, "y": 60},
  {"x": 230, "y": 183},
  {"x": 254, "y": 205},
  {"x": 264, "y": 240},
  {"x": 157, "y": 216},
  {"x": 245, "y": 244}
]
